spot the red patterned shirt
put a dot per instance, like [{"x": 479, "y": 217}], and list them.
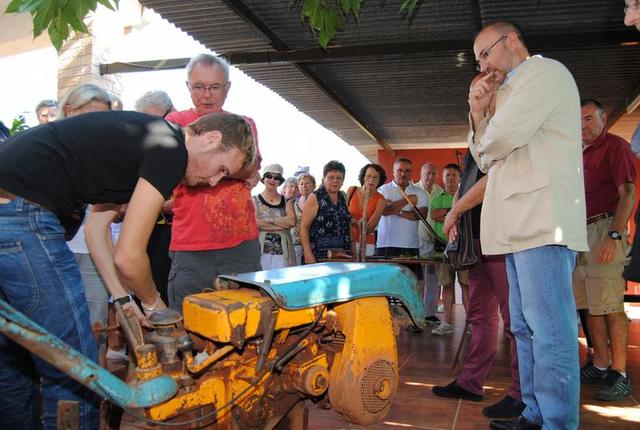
[{"x": 207, "y": 218}]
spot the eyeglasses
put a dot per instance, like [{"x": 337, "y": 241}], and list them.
[
  {"x": 272, "y": 176},
  {"x": 375, "y": 178},
  {"x": 201, "y": 89},
  {"x": 485, "y": 53}
]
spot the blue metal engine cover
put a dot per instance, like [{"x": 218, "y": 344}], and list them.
[{"x": 301, "y": 287}]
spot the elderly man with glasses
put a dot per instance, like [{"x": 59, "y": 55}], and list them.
[
  {"x": 525, "y": 132},
  {"x": 214, "y": 229},
  {"x": 47, "y": 111}
]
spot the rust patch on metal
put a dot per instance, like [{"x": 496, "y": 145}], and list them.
[{"x": 68, "y": 415}]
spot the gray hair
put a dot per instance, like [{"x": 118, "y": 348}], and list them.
[
  {"x": 291, "y": 180},
  {"x": 151, "y": 99},
  {"x": 83, "y": 95},
  {"x": 208, "y": 60},
  {"x": 46, "y": 103},
  {"x": 591, "y": 101},
  {"x": 116, "y": 102}
]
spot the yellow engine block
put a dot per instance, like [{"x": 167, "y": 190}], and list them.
[{"x": 245, "y": 363}]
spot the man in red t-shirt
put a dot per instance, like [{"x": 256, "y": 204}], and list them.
[
  {"x": 632, "y": 271},
  {"x": 609, "y": 178},
  {"x": 214, "y": 229}
]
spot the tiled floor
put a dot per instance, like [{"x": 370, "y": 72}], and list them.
[{"x": 425, "y": 360}]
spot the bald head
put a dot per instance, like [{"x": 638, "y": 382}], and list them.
[
  {"x": 502, "y": 27},
  {"x": 498, "y": 48},
  {"x": 428, "y": 174}
]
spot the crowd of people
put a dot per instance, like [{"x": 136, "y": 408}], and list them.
[{"x": 144, "y": 208}]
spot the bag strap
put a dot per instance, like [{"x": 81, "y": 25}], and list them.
[
  {"x": 350, "y": 196},
  {"x": 420, "y": 217},
  {"x": 470, "y": 176}
]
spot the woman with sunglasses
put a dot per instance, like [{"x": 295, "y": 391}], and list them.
[
  {"x": 275, "y": 217},
  {"x": 326, "y": 221}
]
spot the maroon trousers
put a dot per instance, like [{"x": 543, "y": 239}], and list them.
[{"x": 488, "y": 293}]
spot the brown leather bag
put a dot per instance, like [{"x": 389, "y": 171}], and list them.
[{"x": 460, "y": 253}]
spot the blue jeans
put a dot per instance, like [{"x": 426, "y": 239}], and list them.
[
  {"x": 40, "y": 278},
  {"x": 543, "y": 322}
]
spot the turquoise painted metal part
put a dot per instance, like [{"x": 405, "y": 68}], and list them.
[
  {"x": 301, "y": 287},
  {"x": 30, "y": 335}
]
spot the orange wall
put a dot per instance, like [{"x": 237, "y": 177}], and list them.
[{"x": 440, "y": 157}]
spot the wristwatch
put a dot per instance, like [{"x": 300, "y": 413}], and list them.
[
  {"x": 123, "y": 300},
  {"x": 615, "y": 235}
]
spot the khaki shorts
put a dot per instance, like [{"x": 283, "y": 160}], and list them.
[
  {"x": 446, "y": 275},
  {"x": 600, "y": 287}
]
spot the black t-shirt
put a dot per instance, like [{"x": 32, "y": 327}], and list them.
[{"x": 92, "y": 158}]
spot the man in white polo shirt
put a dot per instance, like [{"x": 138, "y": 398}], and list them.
[{"x": 398, "y": 227}]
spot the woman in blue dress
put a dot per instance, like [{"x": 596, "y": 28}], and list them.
[{"x": 326, "y": 220}]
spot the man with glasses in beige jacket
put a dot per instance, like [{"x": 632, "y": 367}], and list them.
[{"x": 533, "y": 212}]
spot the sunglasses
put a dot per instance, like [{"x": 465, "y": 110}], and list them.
[{"x": 272, "y": 176}]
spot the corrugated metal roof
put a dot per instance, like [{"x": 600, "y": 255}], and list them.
[{"x": 419, "y": 97}]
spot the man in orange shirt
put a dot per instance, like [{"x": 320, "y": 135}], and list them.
[{"x": 214, "y": 229}]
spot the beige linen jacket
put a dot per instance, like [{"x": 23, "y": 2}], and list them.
[{"x": 531, "y": 150}]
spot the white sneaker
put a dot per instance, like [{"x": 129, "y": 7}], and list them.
[
  {"x": 442, "y": 329},
  {"x": 120, "y": 355}
]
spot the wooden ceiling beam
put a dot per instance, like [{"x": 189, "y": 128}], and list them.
[
  {"x": 621, "y": 108},
  {"x": 337, "y": 53}
]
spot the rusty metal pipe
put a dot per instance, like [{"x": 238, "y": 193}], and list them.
[
  {"x": 130, "y": 326},
  {"x": 289, "y": 355},
  {"x": 17, "y": 327},
  {"x": 267, "y": 339}
]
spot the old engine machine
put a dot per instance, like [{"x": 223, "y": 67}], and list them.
[{"x": 247, "y": 353}]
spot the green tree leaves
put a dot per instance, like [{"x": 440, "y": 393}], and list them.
[
  {"x": 19, "y": 124},
  {"x": 408, "y": 6},
  {"x": 326, "y": 16},
  {"x": 58, "y": 17}
]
